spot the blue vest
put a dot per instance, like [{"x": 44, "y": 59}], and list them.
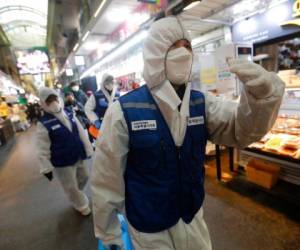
[
  {"x": 102, "y": 103},
  {"x": 163, "y": 182},
  {"x": 66, "y": 146}
]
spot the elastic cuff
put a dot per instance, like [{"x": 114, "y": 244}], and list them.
[
  {"x": 47, "y": 171},
  {"x": 87, "y": 204}
]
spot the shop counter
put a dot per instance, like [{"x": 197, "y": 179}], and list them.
[{"x": 290, "y": 167}]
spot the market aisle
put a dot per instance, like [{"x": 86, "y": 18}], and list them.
[{"x": 35, "y": 215}]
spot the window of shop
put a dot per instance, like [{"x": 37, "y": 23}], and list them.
[{"x": 289, "y": 54}]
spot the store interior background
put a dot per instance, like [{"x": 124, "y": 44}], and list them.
[{"x": 53, "y": 43}]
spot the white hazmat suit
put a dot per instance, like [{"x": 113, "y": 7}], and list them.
[
  {"x": 90, "y": 105},
  {"x": 72, "y": 178},
  {"x": 228, "y": 123}
]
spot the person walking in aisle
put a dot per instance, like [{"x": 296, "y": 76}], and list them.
[
  {"x": 79, "y": 95},
  {"x": 98, "y": 103},
  {"x": 73, "y": 106},
  {"x": 149, "y": 159},
  {"x": 63, "y": 148}
]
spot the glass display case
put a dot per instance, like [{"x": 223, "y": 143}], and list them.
[{"x": 282, "y": 144}]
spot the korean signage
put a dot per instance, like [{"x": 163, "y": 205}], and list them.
[{"x": 280, "y": 20}]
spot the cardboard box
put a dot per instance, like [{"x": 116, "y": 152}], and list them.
[{"x": 263, "y": 173}]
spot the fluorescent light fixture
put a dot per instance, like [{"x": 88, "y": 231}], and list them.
[
  {"x": 191, "y": 5},
  {"x": 106, "y": 46},
  {"x": 118, "y": 15},
  {"x": 99, "y": 8},
  {"x": 247, "y": 26},
  {"x": 79, "y": 60},
  {"x": 76, "y": 47},
  {"x": 277, "y": 14},
  {"x": 139, "y": 37},
  {"x": 137, "y": 19},
  {"x": 92, "y": 45},
  {"x": 85, "y": 36},
  {"x": 69, "y": 72}
]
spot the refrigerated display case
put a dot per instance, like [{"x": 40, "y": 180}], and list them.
[{"x": 282, "y": 144}]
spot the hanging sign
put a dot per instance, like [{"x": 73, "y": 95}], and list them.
[
  {"x": 296, "y": 14},
  {"x": 276, "y": 22}
]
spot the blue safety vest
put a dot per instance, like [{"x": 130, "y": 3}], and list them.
[
  {"x": 66, "y": 146},
  {"x": 102, "y": 103},
  {"x": 163, "y": 182}
]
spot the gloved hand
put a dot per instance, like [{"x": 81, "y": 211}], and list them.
[
  {"x": 258, "y": 82},
  {"x": 97, "y": 124},
  {"x": 49, "y": 176}
]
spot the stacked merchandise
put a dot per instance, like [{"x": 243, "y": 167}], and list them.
[
  {"x": 280, "y": 147},
  {"x": 290, "y": 77},
  {"x": 283, "y": 139},
  {"x": 289, "y": 54}
]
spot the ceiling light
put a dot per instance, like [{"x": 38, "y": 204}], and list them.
[
  {"x": 85, "y": 36},
  {"x": 119, "y": 15},
  {"x": 191, "y": 5},
  {"x": 278, "y": 14},
  {"x": 79, "y": 60},
  {"x": 75, "y": 47},
  {"x": 123, "y": 48},
  {"x": 138, "y": 18},
  {"x": 99, "y": 8},
  {"x": 108, "y": 46},
  {"x": 69, "y": 72},
  {"x": 91, "y": 45}
]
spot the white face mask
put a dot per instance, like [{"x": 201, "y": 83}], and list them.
[
  {"x": 75, "y": 88},
  {"x": 109, "y": 86},
  {"x": 54, "y": 107},
  {"x": 178, "y": 65}
]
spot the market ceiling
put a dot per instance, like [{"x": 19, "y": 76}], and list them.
[{"x": 24, "y": 22}]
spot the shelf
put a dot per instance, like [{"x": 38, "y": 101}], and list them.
[
  {"x": 274, "y": 155},
  {"x": 290, "y": 167}
]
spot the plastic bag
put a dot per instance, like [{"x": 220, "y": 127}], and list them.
[{"x": 127, "y": 243}]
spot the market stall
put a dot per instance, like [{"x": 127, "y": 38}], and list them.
[
  {"x": 6, "y": 131},
  {"x": 12, "y": 108},
  {"x": 281, "y": 145}
]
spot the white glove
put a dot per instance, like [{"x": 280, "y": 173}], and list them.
[{"x": 258, "y": 82}]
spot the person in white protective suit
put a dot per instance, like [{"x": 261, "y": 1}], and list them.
[
  {"x": 98, "y": 103},
  {"x": 63, "y": 147},
  {"x": 149, "y": 158}
]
